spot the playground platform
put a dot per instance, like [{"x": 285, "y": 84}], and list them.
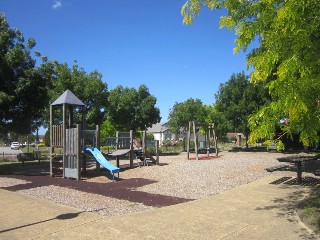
[{"x": 264, "y": 209}]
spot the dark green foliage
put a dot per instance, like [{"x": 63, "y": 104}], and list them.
[
  {"x": 131, "y": 109},
  {"x": 47, "y": 138},
  {"x": 236, "y": 100},
  {"x": 88, "y": 87},
  {"x": 23, "y": 93},
  {"x": 182, "y": 113}
]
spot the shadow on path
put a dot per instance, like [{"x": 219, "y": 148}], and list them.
[{"x": 64, "y": 216}]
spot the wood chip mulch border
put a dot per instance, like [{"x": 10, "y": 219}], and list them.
[{"x": 123, "y": 190}]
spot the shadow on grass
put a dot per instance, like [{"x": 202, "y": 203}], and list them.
[
  {"x": 29, "y": 168},
  {"x": 307, "y": 208},
  {"x": 288, "y": 208},
  {"x": 310, "y": 209}
]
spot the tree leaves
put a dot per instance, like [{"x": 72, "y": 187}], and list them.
[
  {"x": 287, "y": 59},
  {"x": 184, "y": 112},
  {"x": 23, "y": 91},
  {"x": 237, "y": 99},
  {"x": 131, "y": 109}
]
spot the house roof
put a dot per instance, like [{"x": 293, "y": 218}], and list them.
[
  {"x": 158, "y": 128},
  {"x": 68, "y": 98}
]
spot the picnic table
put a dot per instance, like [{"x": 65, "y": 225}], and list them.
[{"x": 297, "y": 160}]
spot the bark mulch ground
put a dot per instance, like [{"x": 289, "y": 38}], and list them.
[
  {"x": 205, "y": 158},
  {"x": 123, "y": 190}
]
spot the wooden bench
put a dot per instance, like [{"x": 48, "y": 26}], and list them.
[{"x": 23, "y": 157}]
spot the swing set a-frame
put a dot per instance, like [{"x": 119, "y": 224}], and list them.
[{"x": 194, "y": 129}]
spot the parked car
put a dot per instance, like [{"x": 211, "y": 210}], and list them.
[{"x": 15, "y": 145}]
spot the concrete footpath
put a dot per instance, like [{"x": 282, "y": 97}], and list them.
[{"x": 258, "y": 210}]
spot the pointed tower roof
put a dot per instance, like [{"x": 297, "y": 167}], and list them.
[{"x": 68, "y": 98}]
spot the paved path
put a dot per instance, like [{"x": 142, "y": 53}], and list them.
[
  {"x": 258, "y": 210},
  {"x": 8, "y": 150}
]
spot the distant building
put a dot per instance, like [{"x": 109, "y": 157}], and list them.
[
  {"x": 162, "y": 132},
  {"x": 235, "y": 137},
  {"x": 41, "y": 138}
]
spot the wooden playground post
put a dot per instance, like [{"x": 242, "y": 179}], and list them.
[
  {"x": 188, "y": 141},
  {"x": 51, "y": 145},
  {"x": 215, "y": 140},
  {"x": 157, "y": 151},
  {"x": 64, "y": 118},
  {"x": 78, "y": 151},
  {"x": 98, "y": 146},
  {"x": 195, "y": 140},
  {"x": 209, "y": 137},
  {"x": 117, "y": 140},
  {"x": 117, "y": 147},
  {"x": 84, "y": 164},
  {"x": 144, "y": 144},
  {"x": 131, "y": 148}
]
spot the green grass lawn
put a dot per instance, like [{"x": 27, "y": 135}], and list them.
[{"x": 310, "y": 209}]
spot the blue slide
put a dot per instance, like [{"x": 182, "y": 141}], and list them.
[{"x": 103, "y": 161}]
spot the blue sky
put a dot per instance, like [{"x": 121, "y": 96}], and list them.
[{"x": 133, "y": 43}]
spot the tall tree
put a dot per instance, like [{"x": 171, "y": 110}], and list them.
[
  {"x": 288, "y": 54},
  {"x": 88, "y": 87},
  {"x": 131, "y": 109},
  {"x": 182, "y": 113},
  {"x": 221, "y": 124},
  {"x": 237, "y": 99},
  {"x": 107, "y": 129},
  {"x": 23, "y": 92}
]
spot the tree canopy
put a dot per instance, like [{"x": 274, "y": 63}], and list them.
[
  {"x": 131, "y": 109},
  {"x": 287, "y": 58},
  {"x": 23, "y": 92},
  {"x": 236, "y": 100},
  {"x": 184, "y": 112},
  {"x": 88, "y": 87}
]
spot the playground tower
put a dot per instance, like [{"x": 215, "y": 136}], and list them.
[{"x": 67, "y": 117}]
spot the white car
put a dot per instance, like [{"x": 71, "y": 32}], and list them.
[{"x": 15, "y": 145}]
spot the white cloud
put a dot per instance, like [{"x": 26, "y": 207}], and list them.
[{"x": 57, "y": 4}]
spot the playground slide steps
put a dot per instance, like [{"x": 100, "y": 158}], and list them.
[{"x": 149, "y": 158}]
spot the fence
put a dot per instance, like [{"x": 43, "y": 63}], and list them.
[
  {"x": 9, "y": 156},
  {"x": 35, "y": 155}
]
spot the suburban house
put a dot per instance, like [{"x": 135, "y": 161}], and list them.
[
  {"x": 162, "y": 132},
  {"x": 41, "y": 138}
]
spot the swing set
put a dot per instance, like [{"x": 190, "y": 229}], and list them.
[{"x": 194, "y": 129}]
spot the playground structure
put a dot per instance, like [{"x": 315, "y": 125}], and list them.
[
  {"x": 125, "y": 143},
  {"x": 195, "y": 129},
  {"x": 69, "y": 141}
]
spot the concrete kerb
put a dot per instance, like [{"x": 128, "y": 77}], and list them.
[{"x": 257, "y": 210}]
